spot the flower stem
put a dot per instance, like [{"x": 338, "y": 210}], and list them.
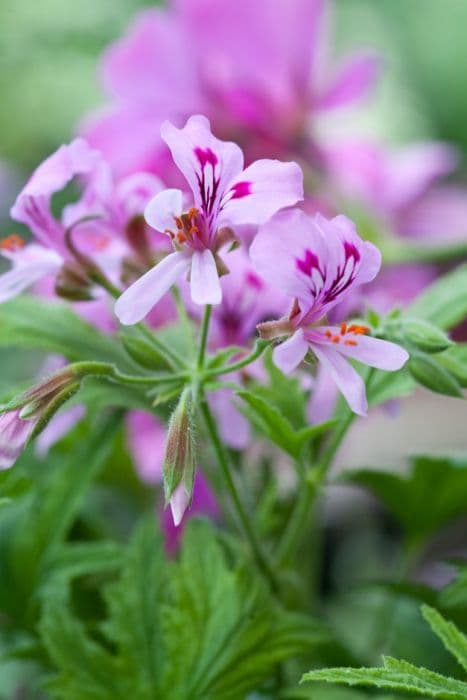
[
  {"x": 260, "y": 558},
  {"x": 311, "y": 483},
  {"x": 204, "y": 336},
  {"x": 258, "y": 350}
]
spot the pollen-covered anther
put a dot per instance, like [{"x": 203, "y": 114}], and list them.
[
  {"x": 356, "y": 329},
  {"x": 350, "y": 342},
  {"x": 336, "y": 339},
  {"x": 12, "y": 243}
]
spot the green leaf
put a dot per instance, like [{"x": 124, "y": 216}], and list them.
[
  {"x": 451, "y": 636},
  {"x": 439, "y": 481},
  {"x": 33, "y": 529},
  {"x": 443, "y": 303},
  {"x": 220, "y": 358},
  {"x": 395, "y": 675},
  {"x": 53, "y": 327},
  {"x": 267, "y": 418},
  {"x": 224, "y": 634},
  {"x": 386, "y": 386},
  {"x": 85, "y": 670},
  {"x": 133, "y": 603},
  {"x": 455, "y": 594}
]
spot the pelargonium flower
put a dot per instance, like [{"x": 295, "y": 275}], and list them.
[
  {"x": 103, "y": 211},
  {"x": 255, "y": 68},
  {"x": 318, "y": 262},
  {"x": 14, "y": 434},
  {"x": 224, "y": 195}
]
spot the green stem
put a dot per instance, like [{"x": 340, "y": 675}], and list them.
[
  {"x": 260, "y": 558},
  {"x": 203, "y": 339},
  {"x": 259, "y": 348},
  {"x": 311, "y": 483},
  {"x": 104, "y": 369}
]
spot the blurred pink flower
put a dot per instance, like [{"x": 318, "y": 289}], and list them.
[
  {"x": 255, "y": 68},
  {"x": 317, "y": 263},
  {"x": 14, "y": 434},
  {"x": 224, "y": 195}
]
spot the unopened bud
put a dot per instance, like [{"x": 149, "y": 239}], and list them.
[
  {"x": 179, "y": 460},
  {"x": 425, "y": 336},
  {"x": 27, "y": 415},
  {"x": 432, "y": 375},
  {"x": 136, "y": 233},
  {"x": 71, "y": 283}
]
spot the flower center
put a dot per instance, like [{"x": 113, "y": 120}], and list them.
[
  {"x": 189, "y": 228},
  {"x": 345, "y": 331}
]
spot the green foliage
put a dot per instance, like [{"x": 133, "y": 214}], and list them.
[
  {"x": 425, "y": 336},
  {"x": 268, "y": 420},
  {"x": 54, "y": 327},
  {"x": 443, "y": 303},
  {"x": 196, "y": 629},
  {"x": 405, "y": 677},
  {"x": 451, "y": 636},
  {"x": 432, "y": 493}
]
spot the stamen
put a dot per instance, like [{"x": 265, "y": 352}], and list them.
[
  {"x": 343, "y": 328},
  {"x": 12, "y": 243},
  {"x": 358, "y": 330},
  {"x": 350, "y": 342},
  {"x": 336, "y": 339},
  {"x": 328, "y": 334}
]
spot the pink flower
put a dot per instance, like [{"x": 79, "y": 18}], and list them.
[
  {"x": 224, "y": 195},
  {"x": 107, "y": 213},
  {"x": 14, "y": 434},
  {"x": 318, "y": 263},
  {"x": 255, "y": 68}
]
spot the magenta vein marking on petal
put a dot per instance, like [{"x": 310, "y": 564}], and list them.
[
  {"x": 241, "y": 189},
  {"x": 205, "y": 156},
  {"x": 309, "y": 263}
]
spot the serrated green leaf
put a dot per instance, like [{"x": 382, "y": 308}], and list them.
[
  {"x": 444, "y": 302},
  {"x": 85, "y": 670},
  {"x": 395, "y": 675},
  {"x": 439, "y": 481},
  {"x": 451, "y": 636},
  {"x": 133, "y": 602},
  {"x": 223, "y": 632}
]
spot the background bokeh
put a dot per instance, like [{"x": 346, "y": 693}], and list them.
[{"x": 48, "y": 54}]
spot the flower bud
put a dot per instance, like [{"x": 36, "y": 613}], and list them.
[
  {"x": 28, "y": 414},
  {"x": 432, "y": 375},
  {"x": 425, "y": 336},
  {"x": 179, "y": 459},
  {"x": 72, "y": 284}
]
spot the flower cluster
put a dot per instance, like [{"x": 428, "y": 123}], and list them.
[{"x": 164, "y": 205}]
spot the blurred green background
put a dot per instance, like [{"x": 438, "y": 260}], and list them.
[{"x": 48, "y": 53}]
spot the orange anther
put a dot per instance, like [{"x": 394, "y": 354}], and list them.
[
  {"x": 328, "y": 334},
  {"x": 178, "y": 221},
  {"x": 12, "y": 243},
  {"x": 181, "y": 237},
  {"x": 350, "y": 342},
  {"x": 343, "y": 328},
  {"x": 192, "y": 213},
  {"x": 358, "y": 330},
  {"x": 336, "y": 339}
]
